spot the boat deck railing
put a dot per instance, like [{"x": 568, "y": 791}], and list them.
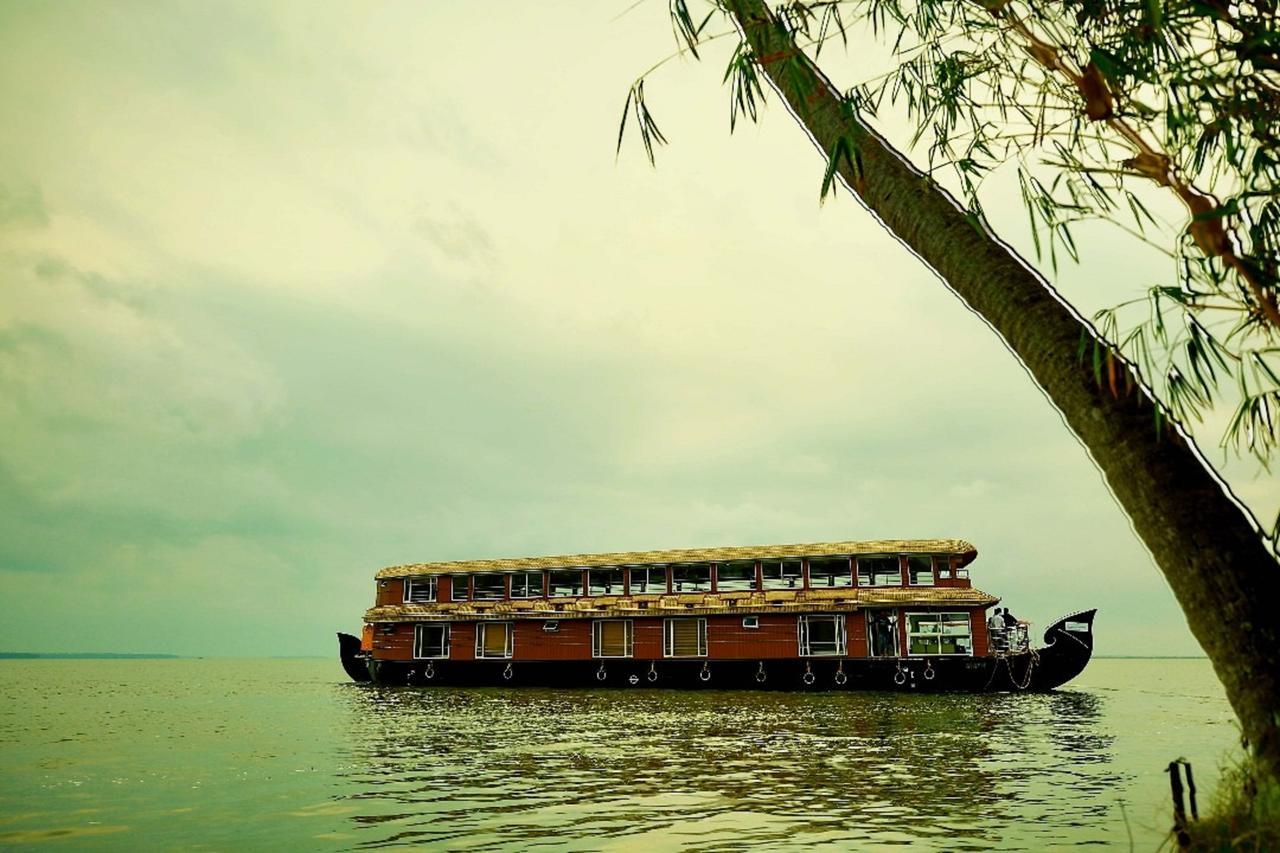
[{"x": 1011, "y": 641}]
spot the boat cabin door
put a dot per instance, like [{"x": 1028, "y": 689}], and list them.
[{"x": 882, "y": 633}]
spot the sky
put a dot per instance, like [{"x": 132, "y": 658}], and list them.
[{"x": 290, "y": 292}]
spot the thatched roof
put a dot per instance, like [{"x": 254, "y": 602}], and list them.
[
  {"x": 687, "y": 604},
  {"x": 957, "y": 547}
]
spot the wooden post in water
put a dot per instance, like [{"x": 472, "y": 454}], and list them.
[{"x": 1179, "y": 806}]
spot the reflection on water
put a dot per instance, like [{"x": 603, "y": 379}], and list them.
[
  {"x": 277, "y": 754},
  {"x": 480, "y": 768}
]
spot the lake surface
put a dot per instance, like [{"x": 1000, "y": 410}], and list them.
[{"x": 269, "y": 754}]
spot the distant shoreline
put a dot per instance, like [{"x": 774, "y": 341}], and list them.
[
  {"x": 86, "y": 656},
  {"x": 1151, "y": 657}
]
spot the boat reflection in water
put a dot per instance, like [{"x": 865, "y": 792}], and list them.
[{"x": 478, "y": 767}]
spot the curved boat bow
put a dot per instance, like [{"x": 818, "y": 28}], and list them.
[
  {"x": 354, "y": 661},
  {"x": 1067, "y": 650}
]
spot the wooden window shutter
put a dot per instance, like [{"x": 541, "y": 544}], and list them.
[{"x": 495, "y": 640}]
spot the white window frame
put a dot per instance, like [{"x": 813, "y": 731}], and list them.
[
  {"x": 488, "y": 596},
  {"x": 649, "y": 572},
  {"x": 617, "y": 588},
  {"x": 892, "y": 615},
  {"x": 941, "y": 617},
  {"x": 581, "y": 589},
  {"x": 419, "y": 630},
  {"x": 858, "y": 574},
  {"x": 850, "y": 575},
  {"x": 482, "y": 628},
  {"x": 669, "y": 636},
  {"x": 628, "y": 638},
  {"x": 686, "y": 566},
  {"x": 521, "y": 590},
  {"x": 933, "y": 570},
  {"x": 802, "y": 635},
  {"x": 781, "y": 582},
  {"x": 433, "y": 587},
  {"x": 466, "y": 588},
  {"x": 751, "y": 623},
  {"x": 752, "y": 585}
]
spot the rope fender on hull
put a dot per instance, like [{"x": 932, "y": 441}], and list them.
[{"x": 1067, "y": 650}]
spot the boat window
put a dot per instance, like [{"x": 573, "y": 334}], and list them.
[
  {"x": 431, "y": 641},
  {"x": 648, "y": 580},
  {"x": 822, "y": 635},
  {"x": 551, "y": 626},
  {"x": 939, "y": 634},
  {"x": 692, "y": 578},
  {"x": 750, "y": 621},
  {"x": 493, "y": 639},
  {"x": 489, "y": 587},
  {"x": 879, "y": 571},
  {"x": 942, "y": 565},
  {"x": 526, "y": 585},
  {"x": 611, "y": 638},
  {"x": 458, "y": 588},
  {"x": 420, "y": 589},
  {"x": 387, "y": 628},
  {"x": 565, "y": 582},
  {"x": 736, "y": 575},
  {"x": 684, "y": 638},
  {"x": 830, "y": 572},
  {"x": 604, "y": 581},
  {"x": 782, "y": 574},
  {"x": 920, "y": 571}
]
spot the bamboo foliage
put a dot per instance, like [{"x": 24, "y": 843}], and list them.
[
  {"x": 1204, "y": 540},
  {"x": 1097, "y": 105}
]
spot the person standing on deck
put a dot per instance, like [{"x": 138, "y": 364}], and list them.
[{"x": 995, "y": 627}]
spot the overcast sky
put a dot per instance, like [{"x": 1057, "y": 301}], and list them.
[{"x": 291, "y": 292}]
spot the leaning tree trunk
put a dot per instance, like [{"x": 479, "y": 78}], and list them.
[{"x": 1208, "y": 546}]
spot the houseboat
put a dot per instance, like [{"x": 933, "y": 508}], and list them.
[{"x": 880, "y": 615}]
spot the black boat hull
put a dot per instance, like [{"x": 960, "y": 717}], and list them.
[
  {"x": 1069, "y": 646},
  {"x": 354, "y": 661}
]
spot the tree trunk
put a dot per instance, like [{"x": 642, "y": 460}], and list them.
[{"x": 1207, "y": 544}]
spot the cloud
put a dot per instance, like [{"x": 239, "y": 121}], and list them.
[
  {"x": 285, "y": 298},
  {"x": 22, "y": 207}
]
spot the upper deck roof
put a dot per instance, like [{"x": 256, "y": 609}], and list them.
[{"x": 958, "y": 547}]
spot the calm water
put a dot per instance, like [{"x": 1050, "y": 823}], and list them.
[{"x": 224, "y": 754}]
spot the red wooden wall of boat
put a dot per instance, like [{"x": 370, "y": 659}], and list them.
[
  {"x": 727, "y": 639},
  {"x": 981, "y": 639},
  {"x": 390, "y": 591}
]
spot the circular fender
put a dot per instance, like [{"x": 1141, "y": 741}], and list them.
[
  {"x": 760, "y": 675},
  {"x": 653, "y": 675},
  {"x": 601, "y": 675},
  {"x": 705, "y": 675},
  {"x": 808, "y": 678},
  {"x": 841, "y": 678},
  {"x": 899, "y": 678},
  {"x": 430, "y": 672},
  {"x": 508, "y": 673},
  {"x": 929, "y": 674},
  {"x": 635, "y": 679}
]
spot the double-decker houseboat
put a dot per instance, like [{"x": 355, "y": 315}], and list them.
[{"x": 883, "y": 615}]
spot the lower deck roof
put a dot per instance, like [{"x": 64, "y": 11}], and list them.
[
  {"x": 686, "y": 604},
  {"x": 957, "y": 547}
]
